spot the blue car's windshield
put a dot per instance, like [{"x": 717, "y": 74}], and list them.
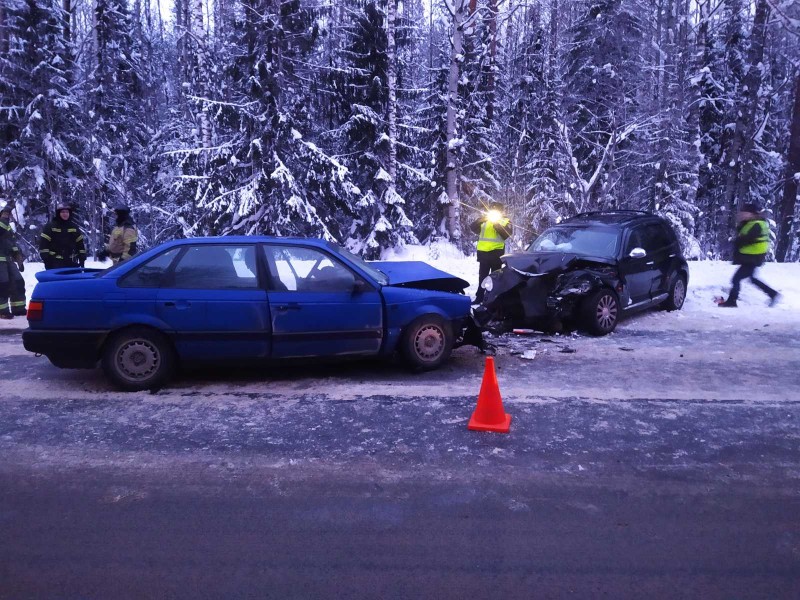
[
  {"x": 591, "y": 241},
  {"x": 377, "y": 274}
]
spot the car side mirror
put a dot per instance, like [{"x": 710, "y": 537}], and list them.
[{"x": 638, "y": 253}]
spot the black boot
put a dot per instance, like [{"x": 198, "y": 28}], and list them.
[{"x": 728, "y": 303}]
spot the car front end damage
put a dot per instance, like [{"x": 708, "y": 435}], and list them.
[{"x": 543, "y": 290}]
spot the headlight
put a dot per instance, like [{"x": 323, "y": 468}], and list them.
[{"x": 487, "y": 284}]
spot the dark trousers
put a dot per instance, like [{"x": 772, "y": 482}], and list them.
[
  {"x": 12, "y": 289},
  {"x": 488, "y": 262},
  {"x": 743, "y": 273}
]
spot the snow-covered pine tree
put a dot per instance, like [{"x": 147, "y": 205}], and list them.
[
  {"x": 478, "y": 183},
  {"x": 430, "y": 210},
  {"x": 533, "y": 165},
  {"x": 117, "y": 150},
  {"x": 603, "y": 80},
  {"x": 381, "y": 220},
  {"x": 42, "y": 120},
  {"x": 672, "y": 170},
  {"x": 266, "y": 177}
]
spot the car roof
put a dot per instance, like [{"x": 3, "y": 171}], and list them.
[
  {"x": 252, "y": 239},
  {"x": 610, "y": 217}
]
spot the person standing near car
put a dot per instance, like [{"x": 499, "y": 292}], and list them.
[
  {"x": 751, "y": 246},
  {"x": 12, "y": 284},
  {"x": 122, "y": 241},
  {"x": 493, "y": 229},
  {"x": 61, "y": 242}
]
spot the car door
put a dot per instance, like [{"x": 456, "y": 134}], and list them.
[
  {"x": 639, "y": 269},
  {"x": 213, "y": 303},
  {"x": 319, "y": 305},
  {"x": 661, "y": 247}
]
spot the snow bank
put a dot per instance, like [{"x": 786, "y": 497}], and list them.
[{"x": 706, "y": 280}]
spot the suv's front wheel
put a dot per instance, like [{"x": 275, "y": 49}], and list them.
[{"x": 601, "y": 312}]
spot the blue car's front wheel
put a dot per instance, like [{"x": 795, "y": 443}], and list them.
[
  {"x": 138, "y": 358},
  {"x": 427, "y": 342}
]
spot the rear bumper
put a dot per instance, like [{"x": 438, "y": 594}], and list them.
[{"x": 64, "y": 348}]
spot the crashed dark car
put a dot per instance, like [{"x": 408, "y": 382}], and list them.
[{"x": 587, "y": 272}]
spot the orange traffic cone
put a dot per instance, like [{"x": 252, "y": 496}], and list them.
[{"x": 489, "y": 414}]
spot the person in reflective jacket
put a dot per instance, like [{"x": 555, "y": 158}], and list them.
[
  {"x": 122, "y": 241},
  {"x": 61, "y": 242},
  {"x": 493, "y": 229},
  {"x": 752, "y": 244},
  {"x": 12, "y": 285}
]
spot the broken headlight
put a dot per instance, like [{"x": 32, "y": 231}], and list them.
[{"x": 581, "y": 287}]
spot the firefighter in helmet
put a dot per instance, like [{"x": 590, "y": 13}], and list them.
[
  {"x": 122, "y": 241},
  {"x": 61, "y": 243}
]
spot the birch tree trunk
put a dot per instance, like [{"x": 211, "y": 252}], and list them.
[
  {"x": 391, "y": 75},
  {"x": 197, "y": 29},
  {"x": 459, "y": 15},
  {"x": 790, "y": 184}
]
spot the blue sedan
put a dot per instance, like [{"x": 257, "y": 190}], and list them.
[{"x": 242, "y": 299}]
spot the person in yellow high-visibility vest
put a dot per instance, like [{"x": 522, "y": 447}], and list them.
[
  {"x": 493, "y": 229},
  {"x": 752, "y": 244}
]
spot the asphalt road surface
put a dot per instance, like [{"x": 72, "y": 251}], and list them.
[{"x": 659, "y": 461}]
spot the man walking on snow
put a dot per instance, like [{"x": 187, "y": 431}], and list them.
[{"x": 752, "y": 244}]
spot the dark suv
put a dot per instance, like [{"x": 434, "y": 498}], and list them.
[{"x": 586, "y": 272}]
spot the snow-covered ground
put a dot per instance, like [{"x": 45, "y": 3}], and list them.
[{"x": 706, "y": 280}]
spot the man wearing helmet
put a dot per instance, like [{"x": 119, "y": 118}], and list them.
[
  {"x": 122, "y": 241},
  {"x": 12, "y": 285},
  {"x": 61, "y": 242}
]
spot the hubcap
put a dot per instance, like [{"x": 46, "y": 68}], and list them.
[
  {"x": 606, "y": 312},
  {"x": 429, "y": 342},
  {"x": 138, "y": 359}
]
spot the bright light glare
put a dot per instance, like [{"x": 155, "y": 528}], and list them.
[{"x": 493, "y": 216}]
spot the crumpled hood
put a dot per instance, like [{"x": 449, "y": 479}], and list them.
[
  {"x": 418, "y": 274},
  {"x": 541, "y": 263},
  {"x": 67, "y": 273}
]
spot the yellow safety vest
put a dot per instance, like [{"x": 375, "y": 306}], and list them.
[
  {"x": 489, "y": 238},
  {"x": 761, "y": 245}
]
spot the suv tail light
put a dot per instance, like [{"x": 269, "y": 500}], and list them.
[{"x": 35, "y": 310}]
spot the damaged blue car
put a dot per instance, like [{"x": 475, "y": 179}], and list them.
[{"x": 243, "y": 299}]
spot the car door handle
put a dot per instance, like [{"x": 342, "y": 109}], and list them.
[
  {"x": 290, "y": 306},
  {"x": 178, "y": 304},
  {"x": 652, "y": 262}
]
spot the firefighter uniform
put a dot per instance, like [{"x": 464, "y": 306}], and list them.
[
  {"x": 124, "y": 237},
  {"x": 12, "y": 284},
  {"x": 61, "y": 243}
]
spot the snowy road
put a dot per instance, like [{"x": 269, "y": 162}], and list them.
[{"x": 666, "y": 454}]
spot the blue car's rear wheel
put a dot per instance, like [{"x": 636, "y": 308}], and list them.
[
  {"x": 427, "y": 342},
  {"x": 138, "y": 359}
]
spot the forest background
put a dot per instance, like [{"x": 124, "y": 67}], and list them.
[{"x": 386, "y": 122}]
